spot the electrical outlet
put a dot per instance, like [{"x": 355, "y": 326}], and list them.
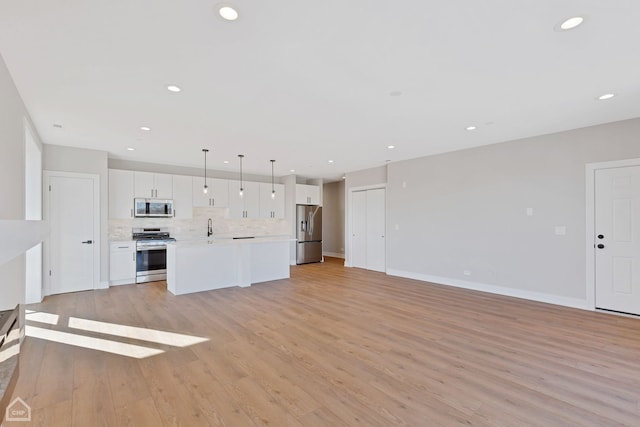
[
  {"x": 397, "y": 227},
  {"x": 467, "y": 272},
  {"x": 560, "y": 230},
  {"x": 529, "y": 211},
  {"x": 404, "y": 184}
]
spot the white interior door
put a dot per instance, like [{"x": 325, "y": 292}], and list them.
[
  {"x": 359, "y": 229},
  {"x": 73, "y": 242},
  {"x": 617, "y": 239},
  {"x": 376, "y": 229}
]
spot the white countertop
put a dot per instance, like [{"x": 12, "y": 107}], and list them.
[{"x": 220, "y": 241}]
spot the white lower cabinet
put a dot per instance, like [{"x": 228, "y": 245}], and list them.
[{"x": 122, "y": 263}]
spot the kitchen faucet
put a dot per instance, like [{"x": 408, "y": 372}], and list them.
[{"x": 209, "y": 228}]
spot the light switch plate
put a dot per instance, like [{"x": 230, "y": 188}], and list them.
[
  {"x": 397, "y": 227},
  {"x": 529, "y": 211},
  {"x": 560, "y": 230}
]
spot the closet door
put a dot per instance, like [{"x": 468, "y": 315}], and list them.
[
  {"x": 376, "y": 229},
  {"x": 359, "y": 230}
]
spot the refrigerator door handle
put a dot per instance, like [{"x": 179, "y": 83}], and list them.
[{"x": 311, "y": 222}]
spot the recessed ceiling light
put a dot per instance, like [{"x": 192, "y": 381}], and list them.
[
  {"x": 131, "y": 149},
  {"x": 391, "y": 147},
  {"x": 344, "y": 177},
  {"x": 226, "y": 162},
  {"x": 471, "y": 128},
  {"x": 292, "y": 170},
  {"x": 228, "y": 13},
  {"x": 330, "y": 161},
  {"x": 173, "y": 88},
  {"x": 606, "y": 96},
  {"x": 571, "y": 23},
  {"x": 147, "y": 128}
]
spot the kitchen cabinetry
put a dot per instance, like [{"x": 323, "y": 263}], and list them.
[
  {"x": 120, "y": 194},
  {"x": 153, "y": 185},
  {"x": 182, "y": 197},
  {"x": 307, "y": 194},
  {"x": 122, "y": 263},
  {"x": 247, "y": 205},
  {"x": 271, "y": 207},
  {"x": 217, "y": 195}
]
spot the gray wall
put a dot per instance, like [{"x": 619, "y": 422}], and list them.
[
  {"x": 13, "y": 117},
  {"x": 69, "y": 159},
  {"x": 466, "y": 210},
  {"x": 333, "y": 215}
]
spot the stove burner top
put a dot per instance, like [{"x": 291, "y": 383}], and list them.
[{"x": 147, "y": 234}]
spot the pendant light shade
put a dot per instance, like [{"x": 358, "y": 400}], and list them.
[
  {"x": 241, "y": 156},
  {"x": 205, "y": 189},
  {"x": 273, "y": 188}
]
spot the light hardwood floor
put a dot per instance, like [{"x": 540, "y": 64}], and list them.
[{"x": 335, "y": 347}]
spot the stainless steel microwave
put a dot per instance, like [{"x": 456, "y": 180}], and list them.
[{"x": 156, "y": 208}]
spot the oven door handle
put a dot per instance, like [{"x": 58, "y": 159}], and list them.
[{"x": 151, "y": 248}]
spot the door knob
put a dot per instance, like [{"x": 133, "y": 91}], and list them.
[
  {"x": 600, "y": 246},
  {"x": 87, "y": 242},
  {"x": 600, "y": 236}
]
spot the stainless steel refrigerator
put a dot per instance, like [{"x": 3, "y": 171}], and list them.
[{"x": 309, "y": 234}]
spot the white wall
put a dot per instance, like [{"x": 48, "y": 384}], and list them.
[
  {"x": 70, "y": 159},
  {"x": 12, "y": 181},
  {"x": 466, "y": 210}
]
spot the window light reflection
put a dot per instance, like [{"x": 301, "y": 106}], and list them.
[
  {"x": 143, "y": 334},
  {"x": 123, "y": 349},
  {"x": 41, "y": 317}
]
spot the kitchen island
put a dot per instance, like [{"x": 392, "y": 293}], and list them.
[{"x": 203, "y": 265}]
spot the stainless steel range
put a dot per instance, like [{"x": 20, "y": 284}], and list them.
[{"x": 151, "y": 253}]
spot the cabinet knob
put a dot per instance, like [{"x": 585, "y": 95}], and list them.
[{"x": 600, "y": 246}]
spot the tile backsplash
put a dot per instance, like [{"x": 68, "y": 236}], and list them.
[{"x": 196, "y": 227}]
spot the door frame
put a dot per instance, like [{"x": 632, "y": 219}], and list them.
[
  {"x": 590, "y": 179},
  {"x": 47, "y": 175},
  {"x": 349, "y": 221}
]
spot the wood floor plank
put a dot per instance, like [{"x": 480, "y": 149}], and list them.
[{"x": 335, "y": 346}]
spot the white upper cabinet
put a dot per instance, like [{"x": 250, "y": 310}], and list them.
[
  {"x": 120, "y": 194},
  {"x": 307, "y": 194},
  {"x": 153, "y": 185},
  {"x": 271, "y": 207},
  {"x": 217, "y": 195},
  {"x": 247, "y": 205},
  {"x": 182, "y": 197}
]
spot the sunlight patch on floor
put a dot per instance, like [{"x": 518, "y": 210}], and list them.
[
  {"x": 41, "y": 317},
  {"x": 143, "y": 334},
  {"x": 123, "y": 349}
]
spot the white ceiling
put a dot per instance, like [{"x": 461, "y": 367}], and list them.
[{"x": 307, "y": 82}]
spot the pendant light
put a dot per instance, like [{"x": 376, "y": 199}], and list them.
[
  {"x": 273, "y": 188},
  {"x": 241, "y": 189},
  {"x": 205, "y": 189}
]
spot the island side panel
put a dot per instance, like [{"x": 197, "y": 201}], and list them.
[
  {"x": 202, "y": 268},
  {"x": 269, "y": 261}
]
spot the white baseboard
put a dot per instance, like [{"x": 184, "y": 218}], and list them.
[
  {"x": 493, "y": 289},
  {"x": 333, "y": 254},
  {"x": 103, "y": 285}
]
